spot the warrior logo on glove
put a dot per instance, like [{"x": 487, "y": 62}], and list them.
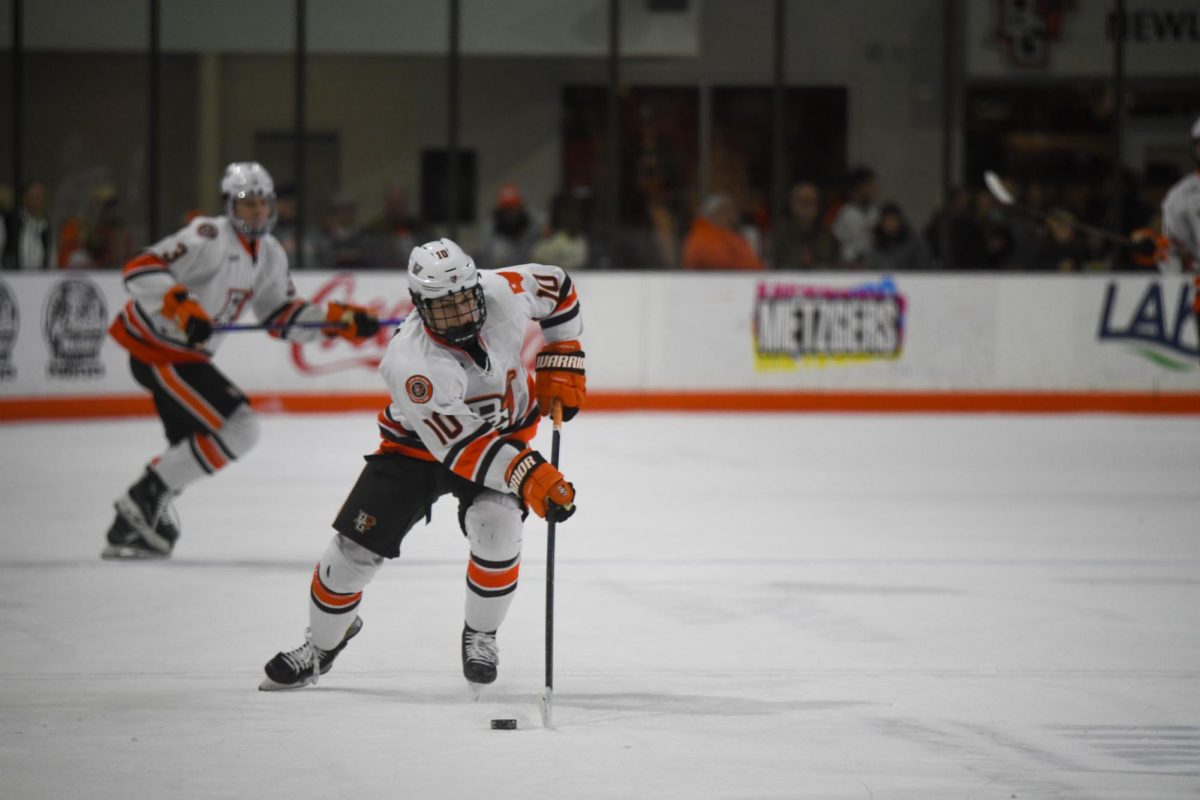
[{"x": 561, "y": 377}]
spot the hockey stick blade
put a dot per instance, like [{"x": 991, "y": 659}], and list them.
[
  {"x": 996, "y": 187},
  {"x": 383, "y": 323}
]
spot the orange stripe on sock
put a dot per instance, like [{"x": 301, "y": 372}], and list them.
[
  {"x": 490, "y": 578},
  {"x": 331, "y": 598},
  {"x": 216, "y": 459}
]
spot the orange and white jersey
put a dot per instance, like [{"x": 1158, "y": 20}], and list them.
[
  {"x": 476, "y": 417},
  {"x": 1181, "y": 225},
  {"x": 224, "y": 272}
]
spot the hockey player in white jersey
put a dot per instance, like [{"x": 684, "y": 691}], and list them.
[
  {"x": 198, "y": 278},
  {"x": 1181, "y": 217},
  {"x": 463, "y": 411}
]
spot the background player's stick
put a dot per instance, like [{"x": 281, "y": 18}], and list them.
[
  {"x": 546, "y": 701},
  {"x": 259, "y": 327},
  {"x": 1001, "y": 193}
]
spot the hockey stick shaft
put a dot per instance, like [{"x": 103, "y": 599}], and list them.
[
  {"x": 548, "y": 692},
  {"x": 278, "y": 327},
  {"x": 997, "y": 189}
]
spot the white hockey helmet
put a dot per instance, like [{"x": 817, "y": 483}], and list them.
[
  {"x": 445, "y": 290},
  {"x": 245, "y": 179}
]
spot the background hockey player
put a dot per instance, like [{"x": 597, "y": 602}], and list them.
[
  {"x": 1181, "y": 216},
  {"x": 182, "y": 287},
  {"x": 462, "y": 414}
]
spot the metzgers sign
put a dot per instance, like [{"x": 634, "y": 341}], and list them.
[{"x": 1155, "y": 321}]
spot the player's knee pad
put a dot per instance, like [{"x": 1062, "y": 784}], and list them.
[
  {"x": 347, "y": 566},
  {"x": 240, "y": 432},
  {"x": 493, "y": 526}
]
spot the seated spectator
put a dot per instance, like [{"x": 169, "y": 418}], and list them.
[
  {"x": 102, "y": 239},
  {"x": 1062, "y": 250},
  {"x": 514, "y": 230},
  {"x": 966, "y": 237},
  {"x": 646, "y": 237},
  {"x": 340, "y": 245},
  {"x": 391, "y": 238},
  {"x": 286, "y": 232},
  {"x": 714, "y": 242},
  {"x": 995, "y": 234},
  {"x": 803, "y": 241},
  {"x": 895, "y": 247},
  {"x": 565, "y": 244},
  {"x": 28, "y": 242},
  {"x": 856, "y": 218}
]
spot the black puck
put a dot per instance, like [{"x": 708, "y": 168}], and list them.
[{"x": 504, "y": 724}]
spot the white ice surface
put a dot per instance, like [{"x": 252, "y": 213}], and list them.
[{"x": 768, "y": 606}]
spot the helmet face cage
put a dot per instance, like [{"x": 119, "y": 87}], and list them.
[
  {"x": 457, "y": 316},
  {"x": 244, "y": 180}
]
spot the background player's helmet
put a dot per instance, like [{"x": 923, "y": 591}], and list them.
[
  {"x": 445, "y": 290},
  {"x": 244, "y": 179}
]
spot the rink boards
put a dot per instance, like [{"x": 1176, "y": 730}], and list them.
[{"x": 826, "y": 341}]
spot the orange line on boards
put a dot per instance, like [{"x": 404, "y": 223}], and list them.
[{"x": 33, "y": 408}]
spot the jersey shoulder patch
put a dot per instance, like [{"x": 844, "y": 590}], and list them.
[
  {"x": 207, "y": 230},
  {"x": 419, "y": 389}
]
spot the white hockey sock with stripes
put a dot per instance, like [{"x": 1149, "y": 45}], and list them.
[{"x": 337, "y": 584}]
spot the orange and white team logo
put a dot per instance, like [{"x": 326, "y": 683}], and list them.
[
  {"x": 419, "y": 389},
  {"x": 363, "y": 522}
]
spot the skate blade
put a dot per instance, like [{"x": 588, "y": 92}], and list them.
[
  {"x": 475, "y": 690},
  {"x": 121, "y": 552},
  {"x": 269, "y": 685},
  {"x": 133, "y": 517}
]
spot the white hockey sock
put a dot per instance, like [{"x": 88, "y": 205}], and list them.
[
  {"x": 177, "y": 467},
  {"x": 337, "y": 584},
  {"x": 493, "y": 524},
  {"x": 491, "y": 587}
]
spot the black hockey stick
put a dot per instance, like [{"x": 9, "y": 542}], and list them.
[
  {"x": 279, "y": 327},
  {"x": 546, "y": 701},
  {"x": 998, "y": 191}
]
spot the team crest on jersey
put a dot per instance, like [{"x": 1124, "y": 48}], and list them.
[
  {"x": 74, "y": 323},
  {"x": 363, "y": 522},
  {"x": 207, "y": 230},
  {"x": 419, "y": 389},
  {"x": 10, "y": 324}
]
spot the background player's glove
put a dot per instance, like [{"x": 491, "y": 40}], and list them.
[
  {"x": 188, "y": 314},
  {"x": 560, "y": 376},
  {"x": 541, "y": 486},
  {"x": 1148, "y": 247},
  {"x": 353, "y": 322}
]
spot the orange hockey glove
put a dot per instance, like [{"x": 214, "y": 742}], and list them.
[
  {"x": 541, "y": 486},
  {"x": 188, "y": 314},
  {"x": 1148, "y": 247},
  {"x": 560, "y": 376},
  {"x": 351, "y": 322}
]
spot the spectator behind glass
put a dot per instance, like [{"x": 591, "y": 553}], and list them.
[
  {"x": 966, "y": 237},
  {"x": 28, "y": 242},
  {"x": 102, "y": 239},
  {"x": 285, "y": 229},
  {"x": 895, "y": 247},
  {"x": 804, "y": 241},
  {"x": 995, "y": 235},
  {"x": 390, "y": 239},
  {"x": 646, "y": 238},
  {"x": 714, "y": 242},
  {"x": 856, "y": 218},
  {"x": 513, "y": 232},
  {"x": 340, "y": 245},
  {"x": 1061, "y": 250},
  {"x": 565, "y": 244}
]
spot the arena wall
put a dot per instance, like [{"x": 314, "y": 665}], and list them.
[{"x": 770, "y": 341}]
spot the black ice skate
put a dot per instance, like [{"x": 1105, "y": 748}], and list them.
[
  {"x": 145, "y": 525},
  {"x": 294, "y": 669},
  {"x": 479, "y": 657}
]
